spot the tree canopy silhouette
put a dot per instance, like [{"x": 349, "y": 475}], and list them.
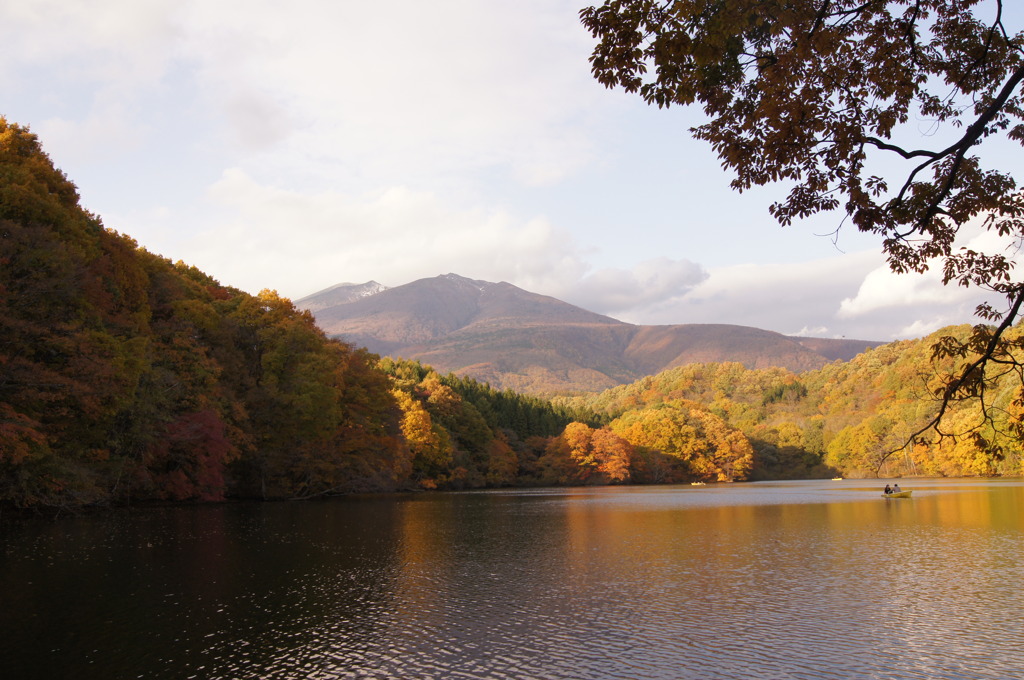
[{"x": 886, "y": 110}]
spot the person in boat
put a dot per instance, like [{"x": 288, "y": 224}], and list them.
[
  {"x": 895, "y": 488},
  {"x": 888, "y": 490}
]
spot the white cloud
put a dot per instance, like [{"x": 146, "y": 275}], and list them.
[
  {"x": 103, "y": 40},
  {"x": 854, "y": 296},
  {"x": 795, "y": 299},
  {"x": 257, "y": 120},
  {"x": 882, "y": 289},
  {"x": 404, "y": 92},
  {"x": 918, "y": 304},
  {"x": 615, "y": 291},
  {"x": 108, "y": 131},
  {"x": 918, "y": 328},
  {"x": 408, "y": 88},
  {"x": 784, "y": 297},
  {"x": 299, "y": 243},
  {"x": 402, "y": 140}
]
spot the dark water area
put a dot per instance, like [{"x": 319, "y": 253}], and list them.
[{"x": 815, "y": 579}]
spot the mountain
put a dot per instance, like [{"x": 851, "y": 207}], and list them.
[
  {"x": 511, "y": 338},
  {"x": 340, "y": 294}
]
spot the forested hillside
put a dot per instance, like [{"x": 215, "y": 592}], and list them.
[
  {"x": 850, "y": 418},
  {"x": 126, "y": 378}
]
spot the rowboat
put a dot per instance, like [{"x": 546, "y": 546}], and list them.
[
  {"x": 697, "y": 484},
  {"x": 898, "y": 494}
]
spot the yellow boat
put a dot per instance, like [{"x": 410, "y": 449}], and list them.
[{"x": 897, "y": 494}]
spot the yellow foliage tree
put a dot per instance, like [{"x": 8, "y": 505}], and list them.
[
  {"x": 429, "y": 444},
  {"x": 700, "y": 443}
]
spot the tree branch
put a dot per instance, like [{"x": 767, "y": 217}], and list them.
[
  {"x": 885, "y": 146},
  {"x": 973, "y": 133}
]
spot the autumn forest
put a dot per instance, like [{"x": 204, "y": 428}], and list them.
[{"x": 126, "y": 378}]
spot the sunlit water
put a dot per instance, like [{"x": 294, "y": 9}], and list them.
[{"x": 772, "y": 580}]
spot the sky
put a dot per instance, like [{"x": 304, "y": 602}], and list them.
[{"x": 298, "y": 145}]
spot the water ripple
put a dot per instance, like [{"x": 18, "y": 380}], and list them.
[{"x": 596, "y": 584}]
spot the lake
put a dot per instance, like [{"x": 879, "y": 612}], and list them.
[{"x": 778, "y": 580}]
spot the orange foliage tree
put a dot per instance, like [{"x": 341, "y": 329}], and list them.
[{"x": 695, "y": 444}]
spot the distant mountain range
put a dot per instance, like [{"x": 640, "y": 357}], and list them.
[{"x": 511, "y": 338}]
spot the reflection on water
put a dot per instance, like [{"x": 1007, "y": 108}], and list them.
[{"x": 780, "y": 580}]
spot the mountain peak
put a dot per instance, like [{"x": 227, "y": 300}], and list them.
[
  {"x": 339, "y": 294},
  {"x": 431, "y": 308},
  {"x": 463, "y": 281}
]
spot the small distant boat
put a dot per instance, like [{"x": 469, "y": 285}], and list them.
[
  {"x": 697, "y": 484},
  {"x": 837, "y": 479},
  {"x": 897, "y": 494}
]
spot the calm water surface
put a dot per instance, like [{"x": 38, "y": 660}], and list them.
[{"x": 786, "y": 580}]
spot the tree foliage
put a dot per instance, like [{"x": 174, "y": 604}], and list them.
[
  {"x": 698, "y": 444},
  {"x": 883, "y": 110},
  {"x": 124, "y": 377},
  {"x": 463, "y": 433},
  {"x": 846, "y": 418},
  {"x": 585, "y": 455}
]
